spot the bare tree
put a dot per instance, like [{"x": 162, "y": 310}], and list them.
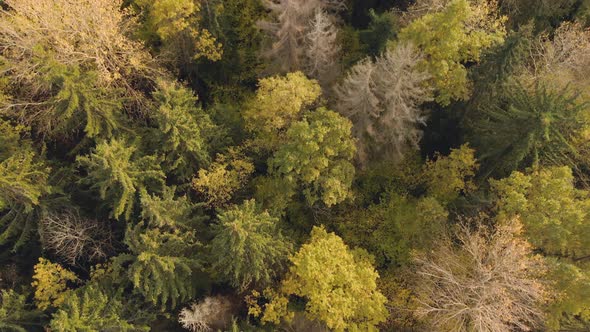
[
  {"x": 383, "y": 100},
  {"x": 208, "y": 315},
  {"x": 291, "y": 21},
  {"x": 563, "y": 59},
  {"x": 488, "y": 283},
  {"x": 72, "y": 237},
  {"x": 321, "y": 48}
]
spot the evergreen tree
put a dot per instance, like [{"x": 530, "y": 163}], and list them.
[
  {"x": 23, "y": 182},
  {"x": 118, "y": 172},
  {"x": 248, "y": 249},
  {"x": 79, "y": 101},
  {"x": 161, "y": 270},
  {"x": 526, "y": 127},
  {"x": 163, "y": 247},
  {"x": 91, "y": 309},
  {"x": 317, "y": 156},
  {"x": 15, "y": 314},
  {"x": 185, "y": 128}
]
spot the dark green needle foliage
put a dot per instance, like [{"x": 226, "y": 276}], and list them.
[
  {"x": 15, "y": 314},
  {"x": 80, "y": 102},
  {"x": 537, "y": 126},
  {"x": 184, "y": 126},
  {"x": 248, "y": 248},
  {"x": 91, "y": 309},
  {"x": 23, "y": 183},
  {"x": 118, "y": 172}
]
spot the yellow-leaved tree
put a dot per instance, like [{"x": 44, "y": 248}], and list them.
[
  {"x": 50, "y": 282},
  {"x": 339, "y": 285}
]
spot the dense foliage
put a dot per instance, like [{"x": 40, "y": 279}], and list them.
[{"x": 295, "y": 165}]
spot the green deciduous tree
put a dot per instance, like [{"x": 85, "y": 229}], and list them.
[
  {"x": 339, "y": 284},
  {"x": 119, "y": 172},
  {"x": 91, "y": 309},
  {"x": 449, "y": 176},
  {"x": 226, "y": 175},
  {"x": 449, "y": 40},
  {"x": 555, "y": 215},
  {"x": 174, "y": 25},
  {"x": 317, "y": 155},
  {"x": 248, "y": 249},
  {"x": 394, "y": 228},
  {"x": 279, "y": 101}
]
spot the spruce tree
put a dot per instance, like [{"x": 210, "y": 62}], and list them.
[
  {"x": 118, "y": 172},
  {"x": 23, "y": 183},
  {"x": 15, "y": 314},
  {"x": 526, "y": 127},
  {"x": 248, "y": 249},
  {"x": 185, "y": 128},
  {"x": 91, "y": 309}
]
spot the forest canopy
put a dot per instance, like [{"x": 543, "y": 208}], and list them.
[{"x": 295, "y": 165}]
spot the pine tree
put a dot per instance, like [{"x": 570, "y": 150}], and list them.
[
  {"x": 316, "y": 156},
  {"x": 91, "y": 309},
  {"x": 163, "y": 250},
  {"x": 118, "y": 172},
  {"x": 248, "y": 249},
  {"x": 167, "y": 210},
  {"x": 79, "y": 101}
]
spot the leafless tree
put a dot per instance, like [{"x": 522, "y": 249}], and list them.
[
  {"x": 562, "y": 59},
  {"x": 213, "y": 312},
  {"x": 488, "y": 283},
  {"x": 288, "y": 28},
  {"x": 383, "y": 100},
  {"x": 321, "y": 48},
  {"x": 72, "y": 237}
]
